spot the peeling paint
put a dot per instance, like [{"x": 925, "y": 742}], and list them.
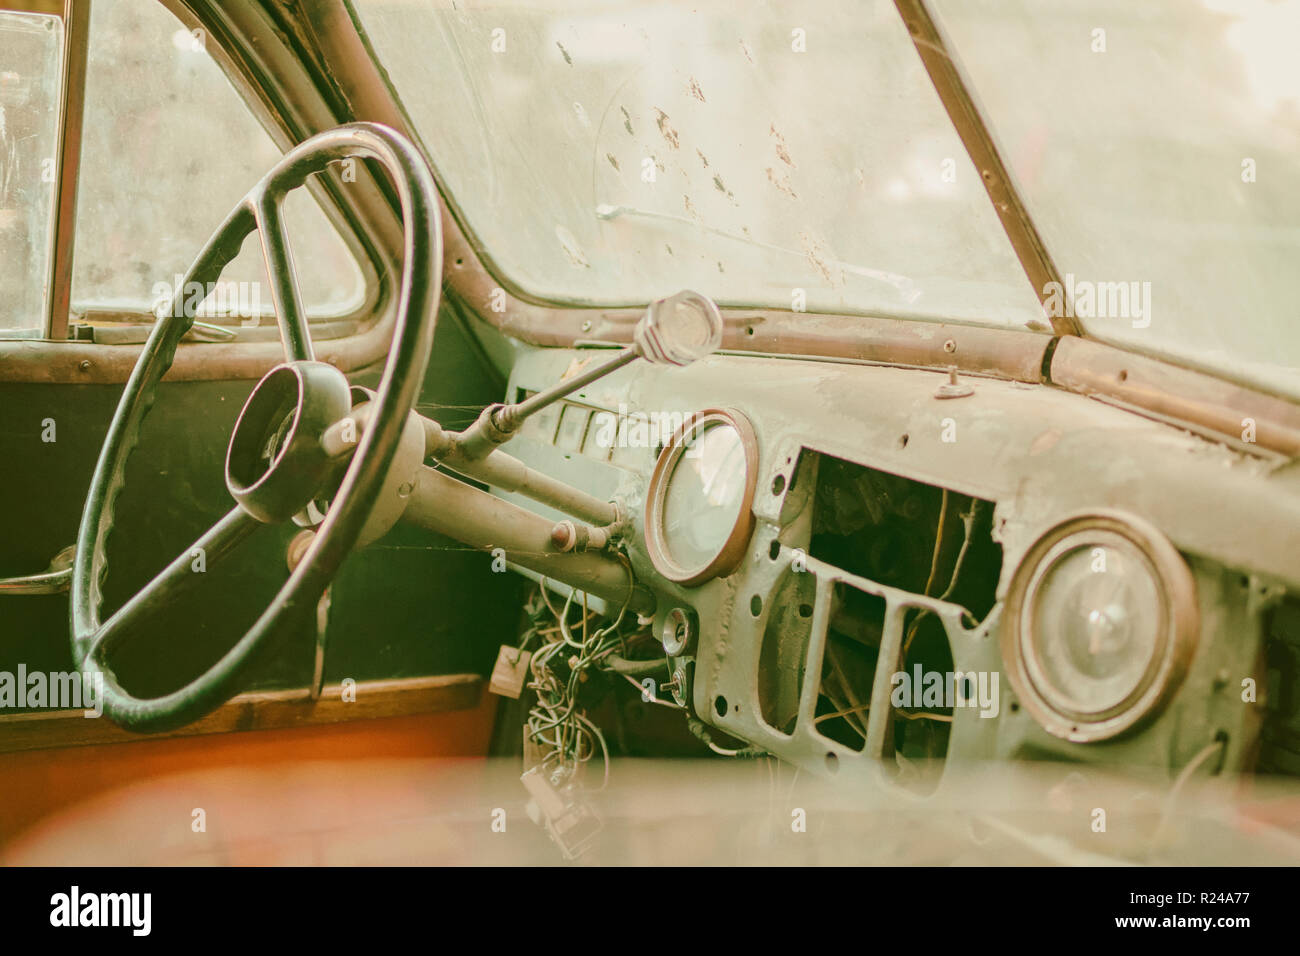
[
  {"x": 666, "y": 129},
  {"x": 612, "y": 161},
  {"x": 782, "y": 153},
  {"x": 627, "y": 120},
  {"x": 571, "y": 248},
  {"x": 817, "y": 256},
  {"x": 567, "y": 59},
  {"x": 704, "y": 159},
  {"x": 693, "y": 87},
  {"x": 781, "y": 182}
]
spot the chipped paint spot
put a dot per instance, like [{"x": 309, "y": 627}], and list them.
[
  {"x": 571, "y": 248},
  {"x": 567, "y": 59},
  {"x": 704, "y": 159},
  {"x": 693, "y": 87},
  {"x": 781, "y": 182},
  {"x": 782, "y": 153},
  {"x": 1045, "y": 441},
  {"x": 690, "y": 208},
  {"x": 612, "y": 161},
  {"x": 627, "y": 120},
  {"x": 816, "y": 254},
  {"x": 718, "y": 185},
  {"x": 576, "y": 367},
  {"x": 669, "y": 248},
  {"x": 666, "y": 129}
]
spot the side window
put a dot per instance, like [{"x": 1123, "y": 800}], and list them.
[
  {"x": 31, "y": 75},
  {"x": 168, "y": 148}
]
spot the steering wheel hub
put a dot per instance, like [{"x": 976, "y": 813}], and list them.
[{"x": 275, "y": 464}]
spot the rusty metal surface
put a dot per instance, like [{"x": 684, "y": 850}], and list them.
[
  {"x": 1103, "y": 371},
  {"x": 79, "y": 363}
]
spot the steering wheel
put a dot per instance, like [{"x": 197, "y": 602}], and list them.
[{"x": 292, "y": 405}]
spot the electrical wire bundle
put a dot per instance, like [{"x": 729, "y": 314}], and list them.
[{"x": 556, "y": 726}]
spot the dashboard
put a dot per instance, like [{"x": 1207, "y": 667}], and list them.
[{"x": 868, "y": 571}]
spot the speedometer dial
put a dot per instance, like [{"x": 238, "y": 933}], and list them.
[{"x": 699, "y": 508}]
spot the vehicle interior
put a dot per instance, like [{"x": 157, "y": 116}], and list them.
[{"x": 389, "y": 386}]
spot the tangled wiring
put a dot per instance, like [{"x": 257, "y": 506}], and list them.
[{"x": 561, "y": 736}]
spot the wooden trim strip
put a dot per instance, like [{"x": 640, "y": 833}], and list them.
[{"x": 258, "y": 710}]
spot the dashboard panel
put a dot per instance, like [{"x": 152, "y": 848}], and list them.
[{"x": 862, "y": 476}]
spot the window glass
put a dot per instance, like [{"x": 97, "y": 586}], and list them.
[
  {"x": 764, "y": 153},
  {"x": 169, "y": 147},
  {"x": 1156, "y": 146},
  {"x": 31, "y": 75}
]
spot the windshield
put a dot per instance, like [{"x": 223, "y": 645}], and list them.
[
  {"x": 1156, "y": 147},
  {"x": 612, "y": 153}
]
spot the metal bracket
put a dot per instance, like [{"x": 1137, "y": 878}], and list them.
[{"x": 55, "y": 579}]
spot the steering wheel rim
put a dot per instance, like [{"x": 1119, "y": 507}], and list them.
[{"x": 419, "y": 293}]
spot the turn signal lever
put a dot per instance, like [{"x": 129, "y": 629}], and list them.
[{"x": 676, "y": 330}]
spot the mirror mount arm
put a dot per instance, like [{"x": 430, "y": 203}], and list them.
[
  {"x": 675, "y": 330},
  {"x": 497, "y": 424}
]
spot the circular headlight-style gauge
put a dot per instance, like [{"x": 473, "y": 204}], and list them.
[
  {"x": 1099, "y": 625},
  {"x": 699, "y": 507}
]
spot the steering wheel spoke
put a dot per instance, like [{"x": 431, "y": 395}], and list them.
[
  {"x": 294, "y": 332},
  {"x": 181, "y": 574}
]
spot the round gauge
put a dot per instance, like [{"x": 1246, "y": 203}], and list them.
[
  {"x": 1100, "y": 622},
  {"x": 699, "y": 506}
]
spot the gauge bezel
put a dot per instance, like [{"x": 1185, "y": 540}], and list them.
[
  {"x": 733, "y": 548},
  {"x": 1176, "y": 636}
]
